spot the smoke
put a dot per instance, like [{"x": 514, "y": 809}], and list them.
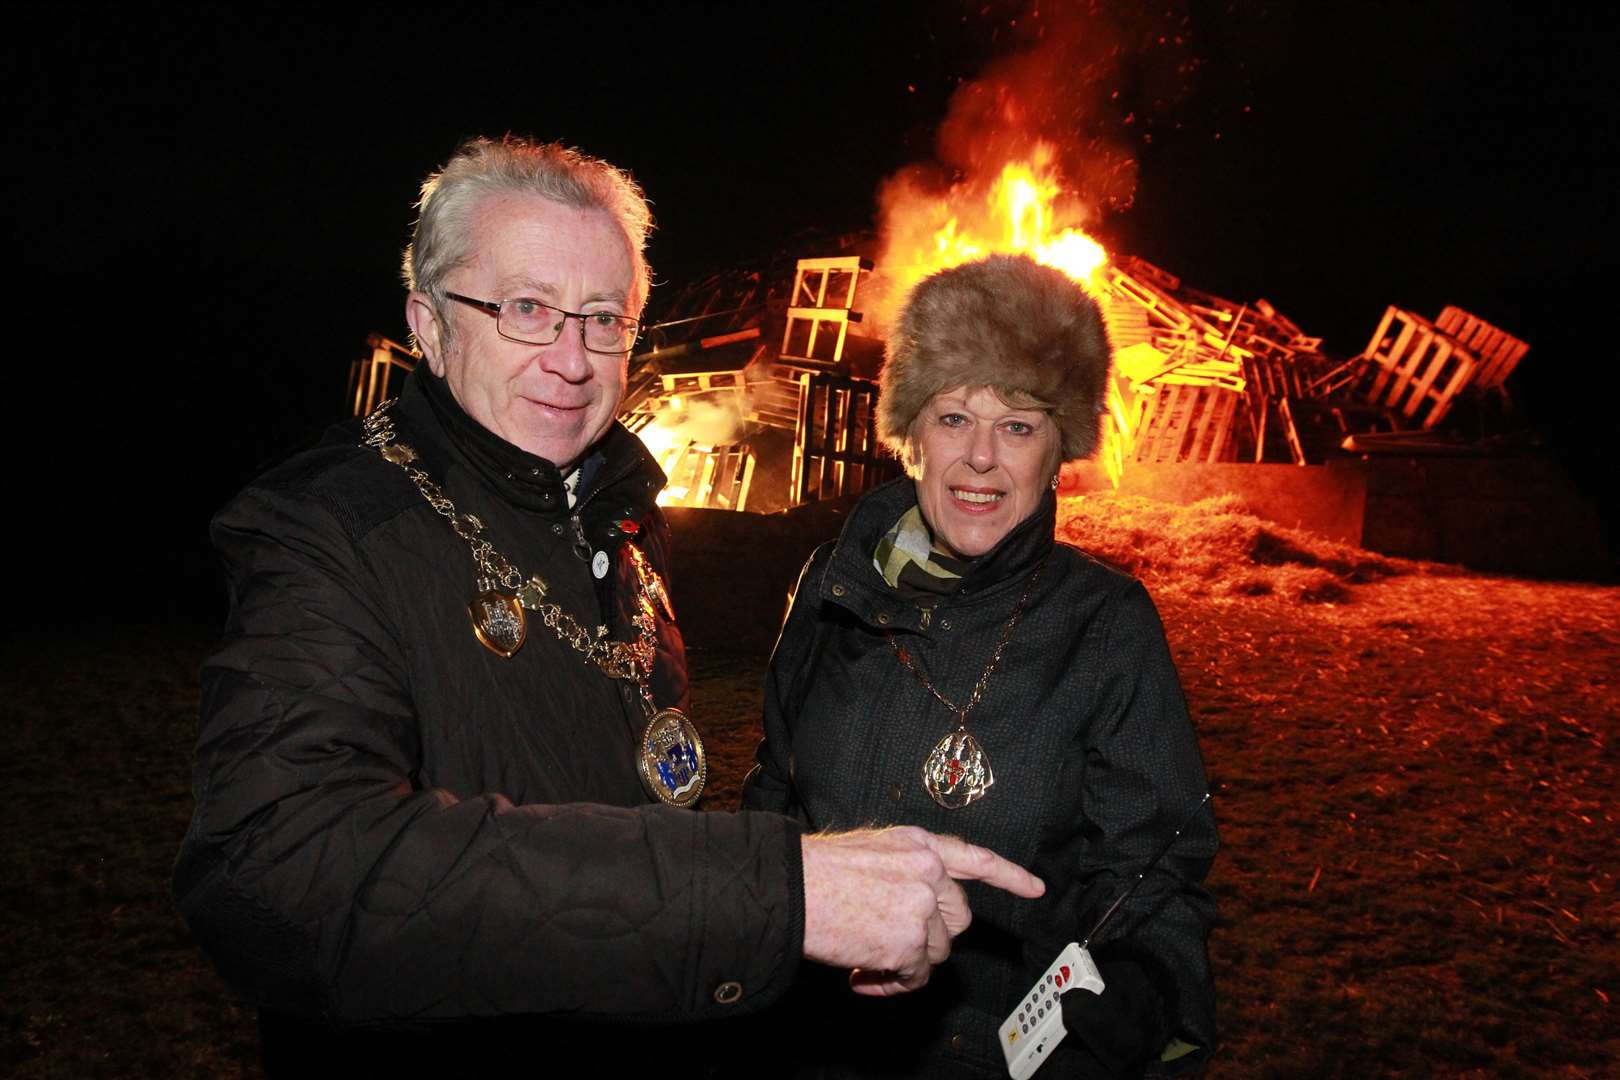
[
  {"x": 708, "y": 422},
  {"x": 1062, "y": 88}
]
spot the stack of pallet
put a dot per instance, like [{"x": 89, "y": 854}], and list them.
[
  {"x": 1414, "y": 369},
  {"x": 1186, "y": 361},
  {"x": 804, "y": 386},
  {"x": 1197, "y": 378}
]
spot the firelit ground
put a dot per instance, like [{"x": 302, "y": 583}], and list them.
[{"x": 1414, "y": 772}]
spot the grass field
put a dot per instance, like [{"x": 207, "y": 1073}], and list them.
[{"x": 1415, "y": 773}]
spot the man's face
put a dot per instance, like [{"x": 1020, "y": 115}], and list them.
[{"x": 551, "y": 400}]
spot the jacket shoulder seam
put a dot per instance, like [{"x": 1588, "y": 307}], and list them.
[{"x": 345, "y": 482}]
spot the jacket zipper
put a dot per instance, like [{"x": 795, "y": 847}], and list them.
[{"x": 582, "y": 547}]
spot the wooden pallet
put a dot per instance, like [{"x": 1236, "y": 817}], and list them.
[
  {"x": 702, "y": 474},
  {"x": 1184, "y": 422},
  {"x": 820, "y": 310},
  {"x": 1497, "y": 351},
  {"x": 372, "y": 377},
  {"x": 1273, "y": 369},
  {"x": 1410, "y": 367},
  {"x": 1143, "y": 270},
  {"x": 774, "y": 401},
  {"x": 1127, "y": 323},
  {"x": 835, "y": 448},
  {"x": 1164, "y": 313},
  {"x": 1419, "y": 369},
  {"x": 1267, "y": 400},
  {"x": 703, "y": 382}
]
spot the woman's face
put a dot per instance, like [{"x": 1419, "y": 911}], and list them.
[{"x": 981, "y": 467}]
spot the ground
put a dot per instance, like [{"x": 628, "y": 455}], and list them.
[{"x": 1414, "y": 772}]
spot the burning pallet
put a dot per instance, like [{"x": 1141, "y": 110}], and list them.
[
  {"x": 699, "y": 474},
  {"x": 835, "y": 449},
  {"x": 804, "y": 389},
  {"x": 1186, "y": 362}
]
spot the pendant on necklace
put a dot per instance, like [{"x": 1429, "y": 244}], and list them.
[
  {"x": 957, "y": 771},
  {"x": 655, "y": 587},
  {"x": 499, "y": 622},
  {"x": 672, "y": 763}
]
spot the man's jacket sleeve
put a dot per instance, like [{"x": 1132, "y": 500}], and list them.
[{"x": 323, "y": 879}]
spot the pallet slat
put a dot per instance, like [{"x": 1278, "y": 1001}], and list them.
[
  {"x": 1185, "y": 422},
  {"x": 835, "y": 450}
]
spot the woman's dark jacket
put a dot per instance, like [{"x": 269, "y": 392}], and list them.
[
  {"x": 1095, "y": 766},
  {"x": 394, "y": 825}
]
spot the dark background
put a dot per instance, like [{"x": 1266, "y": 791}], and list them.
[{"x": 209, "y": 204}]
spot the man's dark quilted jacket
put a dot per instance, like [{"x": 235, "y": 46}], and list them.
[{"x": 394, "y": 825}]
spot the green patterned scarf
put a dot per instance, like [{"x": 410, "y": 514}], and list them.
[{"x": 906, "y": 558}]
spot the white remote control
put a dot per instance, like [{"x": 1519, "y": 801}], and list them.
[{"x": 1035, "y": 1027}]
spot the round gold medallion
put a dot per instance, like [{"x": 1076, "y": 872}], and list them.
[{"x": 672, "y": 762}]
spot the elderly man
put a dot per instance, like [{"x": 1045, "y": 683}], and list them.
[{"x": 444, "y": 753}]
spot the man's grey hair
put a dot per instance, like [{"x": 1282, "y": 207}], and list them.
[{"x": 483, "y": 167}]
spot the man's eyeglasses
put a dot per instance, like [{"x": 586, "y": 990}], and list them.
[{"x": 534, "y": 323}]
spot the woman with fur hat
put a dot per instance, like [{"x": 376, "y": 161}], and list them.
[{"x": 946, "y": 663}]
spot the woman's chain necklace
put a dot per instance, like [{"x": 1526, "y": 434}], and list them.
[{"x": 957, "y": 771}]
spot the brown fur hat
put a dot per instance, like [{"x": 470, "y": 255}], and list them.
[{"x": 1006, "y": 322}]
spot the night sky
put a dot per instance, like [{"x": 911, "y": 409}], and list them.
[{"x": 210, "y": 206}]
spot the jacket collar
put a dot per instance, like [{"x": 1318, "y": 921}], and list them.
[
  {"x": 526, "y": 480},
  {"x": 854, "y": 583}
]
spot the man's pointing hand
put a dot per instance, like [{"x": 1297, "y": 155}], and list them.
[{"x": 886, "y": 903}]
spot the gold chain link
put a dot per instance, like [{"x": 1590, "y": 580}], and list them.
[
  {"x": 961, "y": 711},
  {"x": 632, "y": 660}
]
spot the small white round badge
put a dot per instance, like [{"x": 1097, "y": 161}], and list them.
[{"x": 599, "y": 564}]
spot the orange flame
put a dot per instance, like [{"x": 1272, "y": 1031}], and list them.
[
  {"x": 1115, "y": 442},
  {"x": 685, "y": 423},
  {"x": 1024, "y": 209},
  {"x": 664, "y": 440}
]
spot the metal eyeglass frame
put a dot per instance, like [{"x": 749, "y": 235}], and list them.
[{"x": 493, "y": 307}]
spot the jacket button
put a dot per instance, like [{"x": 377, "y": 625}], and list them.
[
  {"x": 894, "y": 792},
  {"x": 838, "y": 590},
  {"x": 728, "y": 993},
  {"x": 883, "y": 620},
  {"x": 956, "y": 1041},
  {"x": 944, "y": 624}
]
